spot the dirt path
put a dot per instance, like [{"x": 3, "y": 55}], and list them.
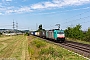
[
  {"x": 23, "y": 50},
  {"x": 25, "y": 53},
  {"x": 27, "y": 57}
]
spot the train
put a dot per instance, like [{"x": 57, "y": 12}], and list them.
[{"x": 55, "y": 34}]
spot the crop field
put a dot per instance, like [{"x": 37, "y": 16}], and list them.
[
  {"x": 32, "y": 48},
  {"x": 13, "y": 48}
]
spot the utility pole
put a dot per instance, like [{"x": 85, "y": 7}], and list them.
[
  {"x": 13, "y": 25},
  {"x": 16, "y": 25},
  {"x": 58, "y": 26}
]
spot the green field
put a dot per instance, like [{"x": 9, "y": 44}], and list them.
[
  {"x": 32, "y": 48},
  {"x": 41, "y": 50}
]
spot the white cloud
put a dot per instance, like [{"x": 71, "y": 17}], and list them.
[
  {"x": 42, "y": 5},
  {"x": 58, "y": 3},
  {"x": 19, "y": 10},
  {"x": 63, "y": 11},
  {"x": 8, "y": 0},
  {"x": 37, "y": 6},
  {"x": 50, "y": 4},
  {"x": 1, "y": 13},
  {"x": 23, "y": 9}
]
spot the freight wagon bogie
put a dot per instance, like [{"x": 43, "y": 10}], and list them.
[{"x": 60, "y": 40}]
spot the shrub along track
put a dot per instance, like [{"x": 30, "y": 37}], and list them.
[{"x": 83, "y": 49}]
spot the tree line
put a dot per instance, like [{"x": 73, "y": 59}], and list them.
[{"x": 77, "y": 33}]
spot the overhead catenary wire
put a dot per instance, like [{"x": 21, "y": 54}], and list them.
[
  {"x": 79, "y": 19},
  {"x": 13, "y": 25},
  {"x": 76, "y": 16},
  {"x": 5, "y": 25},
  {"x": 70, "y": 22},
  {"x": 85, "y": 22}
]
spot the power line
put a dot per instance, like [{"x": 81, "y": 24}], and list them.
[
  {"x": 76, "y": 15},
  {"x": 5, "y": 25},
  {"x": 85, "y": 22},
  {"x": 79, "y": 19}
]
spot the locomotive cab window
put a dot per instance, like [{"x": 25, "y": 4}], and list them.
[{"x": 60, "y": 32}]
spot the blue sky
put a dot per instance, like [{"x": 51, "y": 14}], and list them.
[{"x": 30, "y": 13}]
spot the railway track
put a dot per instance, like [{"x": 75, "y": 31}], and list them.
[
  {"x": 78, "y": 48},
  {"x": 82, "y": 49}
]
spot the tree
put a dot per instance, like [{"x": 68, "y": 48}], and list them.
[
  {"x": 40, "y": 28},
  {"x": 87, "y": 35},
  {"x": 0, "y": 33},
  {"x": 74, "y": 32}
]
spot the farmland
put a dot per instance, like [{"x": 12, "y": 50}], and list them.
[
  {"x": 13, "y": 47},
  {"x": 22, "y": 47}
]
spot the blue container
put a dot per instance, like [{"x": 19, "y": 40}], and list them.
[{"x": 33, "y": 33}]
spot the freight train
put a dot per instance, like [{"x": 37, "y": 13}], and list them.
[{"x": 55, "y": 34}]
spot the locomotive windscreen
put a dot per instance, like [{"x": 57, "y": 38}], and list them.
[{"x": 60, "y": 32}]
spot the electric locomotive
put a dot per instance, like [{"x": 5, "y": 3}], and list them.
[{"x": 56, "y": 34}]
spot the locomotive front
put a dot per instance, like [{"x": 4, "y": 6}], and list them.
[{"x": 60, "y": 35}]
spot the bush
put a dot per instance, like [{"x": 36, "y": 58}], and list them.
[
  {"x": 52, "y": 51},
  {"x": 0, "y": 33},
  {"x": 39, "y": 43},
  {"x": 26, "y": 34},
  {"x": 49, "y": 50}
]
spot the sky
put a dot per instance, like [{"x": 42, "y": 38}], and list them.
[{"x": 31, "y": 13}]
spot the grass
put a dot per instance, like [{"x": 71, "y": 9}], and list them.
[
  {"x": 1, "y": 45},
  {"x": 38, "y": 49},
  {"x": 38, "y": 43},
  {"x": 15, "y": 46},
  {"x": 41, "y": 50},
  {"x": 80, "y": 41}
]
